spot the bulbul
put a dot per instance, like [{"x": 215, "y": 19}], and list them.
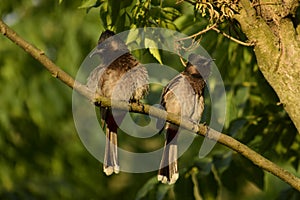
[
  {"x": 119, "y": 77},
  {"x": 184, "y": 96}
]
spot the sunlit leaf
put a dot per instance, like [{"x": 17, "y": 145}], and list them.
[
  {"x": 132, "y": 36},
  {"x": 42, "y": 154},
  {"x": 153, "y": 48},
  {"x": 89, "y": 4}
]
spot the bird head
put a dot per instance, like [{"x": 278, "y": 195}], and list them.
[
  {"x": 198, "y": 65},
  {"x": 105, "y": 35},
  {"x": 110, "y": 45}
]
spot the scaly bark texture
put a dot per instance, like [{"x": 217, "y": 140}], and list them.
[{"x": 268, "y": 23}]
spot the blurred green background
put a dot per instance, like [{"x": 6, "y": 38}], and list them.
[{"x": 42, "y": 156}]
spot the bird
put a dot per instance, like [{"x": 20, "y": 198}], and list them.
[
  {"x": 184, "y": 96},
  {"x": 119, "y": 76}
]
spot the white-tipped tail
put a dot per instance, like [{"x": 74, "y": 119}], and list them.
[
  {"x": 109, "y": 170},
  {"x": 168, "y": 172},
  {"x": 111, "y": 162}
]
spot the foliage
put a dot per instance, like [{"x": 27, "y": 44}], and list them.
[
  {"x": 217, "y": 11},
  {"x": 41, "y": 154}
]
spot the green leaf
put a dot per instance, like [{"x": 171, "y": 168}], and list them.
[
  {"x": 153, "y": 49},
  {"x": 208, "y": 186},
  {"x": 184, "y": 187},
  {"x": 289, "y": 194},
  {"x": 156, "y": 54},
  {"x": 222, "y": 161},
  {"x": 149, "y": 185},
  {"x": 295, "y": 159},
  {"x": 162, "y": 191},
  {"x": 89, "y": 4},
  {"x": 170, "y": 13},
  {"x": 203, "y": 165},
  {"x": 104, "y": 14},
  {"x": 171, "y": 10},
  {"x": 240, "y": 171},
  {"x": 133, "y": 36},
  {"x": 114, "y": 12},
  {"x": 236, "y": 125}
]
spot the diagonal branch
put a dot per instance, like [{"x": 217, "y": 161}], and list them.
[
  {"x": 40, "y": 56},
  {"x": 199, "y": 129}
]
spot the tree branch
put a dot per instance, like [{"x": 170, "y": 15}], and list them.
[
  {"x": 277, "y": 49},
  {"x": 199, "y": 129},
  {"x": 40, "y": 56}
]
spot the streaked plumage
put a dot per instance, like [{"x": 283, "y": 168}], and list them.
[
  {"x": 182, "y": 96},
  {"x": 119, "y": 77}
]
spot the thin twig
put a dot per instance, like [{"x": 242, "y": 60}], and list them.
[
  {"x": 198, "y": 33},
  {"x": 214, "y": 27},
  {"x": 194, "y": 172},
  {"x": 182, "y": 61},
  {"x": 191, "y": 37},
  {"x": 232, "y": 38},
  {"x": 200, "y": 129}
]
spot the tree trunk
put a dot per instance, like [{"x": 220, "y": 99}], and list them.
[{"x": 277, "y": 48}]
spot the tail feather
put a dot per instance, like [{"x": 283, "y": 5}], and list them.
[
  {"x": 111, "y": 162},
  {"x": 168, "y": 172}
]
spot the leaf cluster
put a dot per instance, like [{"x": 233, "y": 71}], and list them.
[
  {"x": 41, "y": 154},
  {"x": 217, "y": 11}
]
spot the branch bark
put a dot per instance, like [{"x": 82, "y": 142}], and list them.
[
  {"x": 277, "y": 48},
  {"x": 199, "y": 129}
]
